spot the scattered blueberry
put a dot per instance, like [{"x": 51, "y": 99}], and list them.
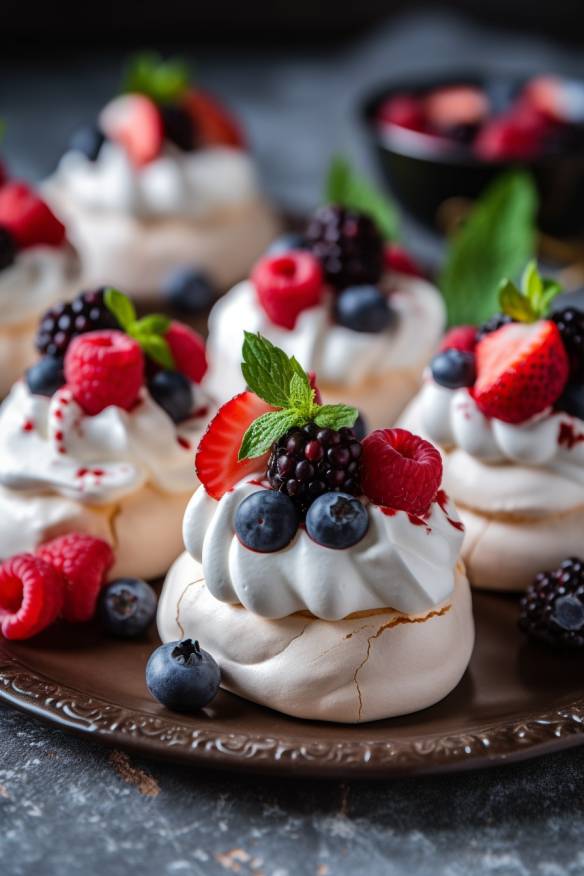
[
  {"x": 285, "y": 243},
  {"x": 173, "y": 392},
  {"x": 7, "y": 248},
  {"x": 454, "y": 368},
  {"x": 88, "y": 141},
  {"x": 360, "y": 427},
  {"x": 363, "y": 309},
  {"x": 572, "y": 400},
  {"x": 46, "y": 376},
  {"x": 337, "y": 520},
  {"x": 182, "y": 677},
  {"x": 266, "y": 521},
  {"x": 188, "y": 290},
  {"x": 178, "y": 126},
  {"x": 127, "y": 607}
]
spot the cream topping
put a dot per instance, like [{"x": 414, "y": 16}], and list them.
[{"x": 39, "y": 277}]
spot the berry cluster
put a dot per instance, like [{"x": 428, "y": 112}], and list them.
[
  {"x": 348, "y": 245},
  {"x": 86, "y": 313},
  {"x": 25, "y": 221},
  {"x": 552, "y": 611}
]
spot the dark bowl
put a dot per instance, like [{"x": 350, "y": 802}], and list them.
[{"x": 429, "y": 177}]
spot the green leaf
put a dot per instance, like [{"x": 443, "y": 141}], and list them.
[
  {"x": 153, "y": 324},
  {"x": 268, "y": 371},
  {"x": 162, "y": 81},
  {"x": 262, "y": 433},
  {"x": 550, "y": 289},
  {"x": 349, "y": 189},
  {"x": 336, "y": 416},
  {"x": 495, "y": 242},
  {"x": 301, "y": 395},
  {"x": 156, "y": 347},
  {"x": 514, "y": 304},
  {"x": 121, "y": 307},
  {"x": 532, "y": 284}
]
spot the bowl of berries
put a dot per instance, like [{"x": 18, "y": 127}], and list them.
[{"x": 440, "y": 142}]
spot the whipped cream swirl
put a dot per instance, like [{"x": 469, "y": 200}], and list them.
[
  {"x": 336, "y": 354},
  {"x": 186, "y": 184},
  {"x": 51, "y": 445},
  {"x": 38, "y": 278},
  {"x": 403, "y": 562}
]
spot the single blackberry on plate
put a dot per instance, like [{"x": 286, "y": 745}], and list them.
[
  {"x": 60, "y": 324},
  {"x": 306, "y": 463},
  {"x": 570, "y": 322},
  {"x": 347, "y": 244},
  {"x": 491, "y": 325},
  {"x": 552, "y": 610}
]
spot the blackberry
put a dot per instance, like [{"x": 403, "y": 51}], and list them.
[
  {"x": 552, "y": 610},
  {"x": 179, "y": 126},
  {"x": 348, "y": 246},
  {"x": 570, "y": 322},
  {"x": 7, "y": 248},
  {"x": 491, "y": 325},
  {"x": 306, "y": 463},
  {"x": 60, "y": 324}
]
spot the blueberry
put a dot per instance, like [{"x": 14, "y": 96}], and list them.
[
  {"x": 46, "y": 376},
  {"x": 360, "y": 427},
  {"x": 178, "y": 126},
  {"x": 337, "y": 520},
  {"x": 454, "y": 368},
  {"x": 188, "y": 290},
  {"x": 568, "y": 613},
  {"x": 572, "y": 400},
  {"x": 182, "y": 677},
  {"x": 7, "y": 248},
  {"x": 266, "y": 521},
  {"x": 285, "y": 243},
  {"x": 363, "y": 309},
  {"x": 88, "y": 141},
  {"x": 127, "y": 607},
  {"x": 173, "y": 392}
]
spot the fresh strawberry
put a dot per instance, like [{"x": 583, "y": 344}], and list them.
[
  {"x": 214, "y": 124},
  {"x": 104, "y": 368},
  {"x": 397, "y": 259},
  {"x": 31, "y": 596},
  {"x": 462, "y": 337},
  {"x": 522, "y": 370},
  {"x": 134, "y": 121},
  {"x": 511, "y": 136},
  {"x": 216, "y": 461},
  {"x": 287, "y": 284},
  {"x": 404, "y": 111},
  {"x": 456, "y": 105},
  {"x": 83, "y": 562},
  {"x": 29, "y": 220},
  {"x": 188, "y": 351},
  {"x": 400, "y": 470}
]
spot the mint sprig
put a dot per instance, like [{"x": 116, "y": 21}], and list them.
[
  {"x": 344, "y": 186},
  {"x": 281, "y": 382},
  {"x": 495, "y": 241},
  {"x": 162, "y": 81},
  {"x": 532, "y": 301},
  {"x": 148, "y": 332}
]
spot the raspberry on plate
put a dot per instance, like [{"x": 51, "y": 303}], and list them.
[
  {"x": 28, "y": 219},
  {"x": 288, "y": 284},
  {"x": 31, "y": 596},
  {"x": 400, "y": 470},
  {"x": 104, "y": 368},
  {"x": 188, "y": 351},
  {"x": 83, "y": 561},
  {"x": 522, "y": 369}
]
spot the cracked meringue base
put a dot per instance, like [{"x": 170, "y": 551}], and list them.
[
  {"x": 369, "y": 666},
  {"x": 143, "y": 528},
  {"x": 137, "y": 254}
]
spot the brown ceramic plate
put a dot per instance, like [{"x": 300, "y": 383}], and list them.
[{"x": 515, "y": 701}]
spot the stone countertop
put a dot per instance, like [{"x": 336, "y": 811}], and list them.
[{"x": 68, "y": 806}]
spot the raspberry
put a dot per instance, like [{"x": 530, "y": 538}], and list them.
[
  {"x": 400, "y": 470},
  {"x": 305, "y": 463},
  {"x": 463, "y": 337},
  {"x": 86, "y": 313},
  {"x": 83, "y": 562},
  {"x": 348, "y": 246},
  {"x": 493, "y": 324},
  {"x": 30, "y": 221},
  {"x": 570, "y": 323},
  {"x": 552, "y": 610},
  {"x": 31, "y": 596},
  {"x": 287, "y": 284},
  {"x": 404, "y": 111},
  {"x": 188, "y": 351},
  {"x": 104, "y": 368}
]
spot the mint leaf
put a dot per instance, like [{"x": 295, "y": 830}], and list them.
[
  {"x": 162, "y": 81},
  {"x": 495, "y": 241},
  {"x": 267, "y": 370},
  {"x": 349, "y": 189},
  {"x": 550, "y": 289},
  {"x": 336, "y": 416},
  {"x": 121, "y": 307},
  {"x": 262, "y": 433},
  {"x": 153, "y": 324},
  {"x": 156, "y": 347},
  {"x": 301, "y": 395},
  {"x": 514, "y": 304},
  {"x": 532, "y": 284}
]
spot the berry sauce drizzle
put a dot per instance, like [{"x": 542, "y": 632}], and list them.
[{"x": 568, "y": 437}]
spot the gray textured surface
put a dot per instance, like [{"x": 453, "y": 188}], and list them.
[{"x": 67, "y": 806}]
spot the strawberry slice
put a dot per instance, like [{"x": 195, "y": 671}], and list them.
[
  {"x": 134, "y": 121},
  {"x": 215, "y": 124},
  {"x": 28, "y": 219},
  {"x": 216, "y": 462},
  {"x": 522, "y": 370}
]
